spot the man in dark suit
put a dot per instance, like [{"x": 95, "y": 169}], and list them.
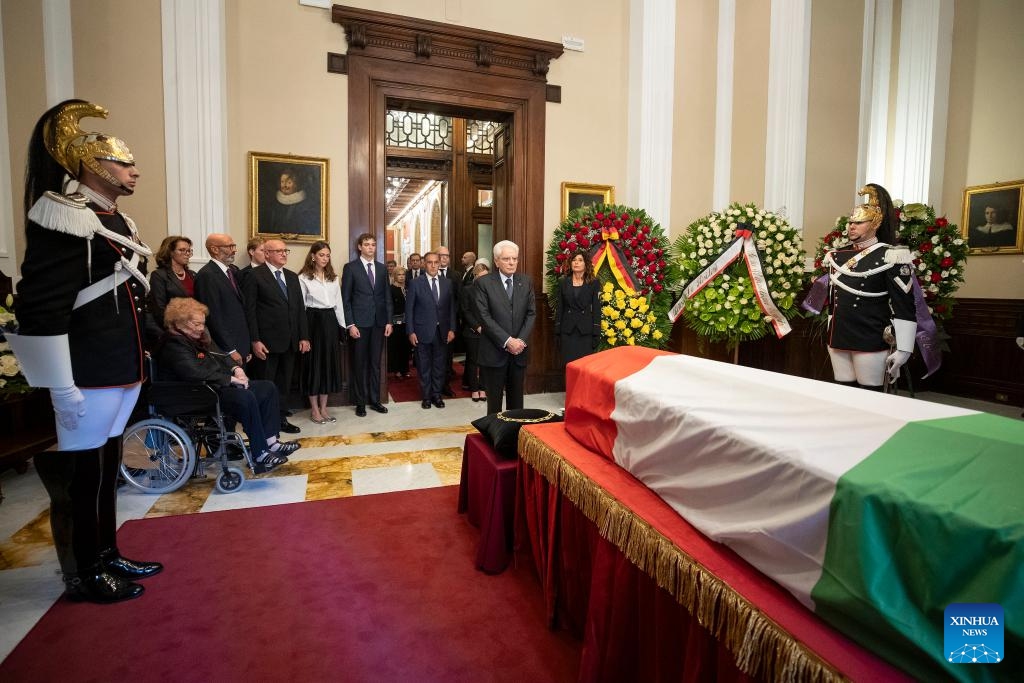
[
  {"x": 218, "y": 285},
  {"x": 505, "y": 303},
  {"x": 366, "y": 298},
  {"x": 277, "y": 322},
  {"x": 257, "y": 256},
  {"x": 430, "y": 316},
  {"x": 455, "y": 278},
  {"x": 413, "y": 266},
  {"x": 468, "y": 262}
]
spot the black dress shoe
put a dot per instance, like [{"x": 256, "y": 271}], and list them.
[
  {"x": 439, "y": 403},
  {"x": 360, "y": 411},
  {"x": 100, "y": 587},
  {"x": 446, "y": 391},
  {"x": 425, "y": 404},
  {"x": 289, "y": 428},
  {"x": 131, "y": 570},
  {"x": 378, "y": 407}
]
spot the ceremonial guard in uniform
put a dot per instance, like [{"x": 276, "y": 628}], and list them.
[
  {"x": 81, "y": 304},
  {"x": 870, "y": 289}
]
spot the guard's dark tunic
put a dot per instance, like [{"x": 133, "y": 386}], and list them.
[
  {"x": 104, "y": 334},
  {"x": 858, "y": 320}
]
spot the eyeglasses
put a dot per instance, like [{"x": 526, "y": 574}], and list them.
[
  {"x": 183, "y": 251},
  {"x": 226, "y": 246},
  {"x": 277, "y": 251}
]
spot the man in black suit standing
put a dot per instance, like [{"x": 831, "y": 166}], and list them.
[
  {"x": 366, "y": 298},
  {"x": 430, "y": 316},
  {"x": 455, "y": 278},
  {"x": 505, "y": 303},
  {"x": 257, "y": 257},
  {"x": 218, "y": 285},
  {"x": 468, "y": 263},
  {"x": 414, "y": 263},
  {"x": 277, "y": 322}
]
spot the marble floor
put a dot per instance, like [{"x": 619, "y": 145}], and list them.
[{"x": 408, "y": 448}]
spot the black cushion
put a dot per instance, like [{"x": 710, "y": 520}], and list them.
[{"x": 502, "y": 429}]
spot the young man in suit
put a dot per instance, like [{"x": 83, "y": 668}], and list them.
[
  {"x": 505, "y": 304},
  {"x": 366, "y": 298},
  {"x": 455, "y": 278},
  {"x": 219, "y": 286},
  {"x": 257, "y": 257},
  {"x": 277, "y": 322},
  {"x": 430, "y": 315}
]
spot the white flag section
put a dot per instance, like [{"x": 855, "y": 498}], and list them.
[{"x": 750, "y": 457}]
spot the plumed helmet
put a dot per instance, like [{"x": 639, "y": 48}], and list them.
[
  {"x": 869, "y": 211},
  {"x": 72, "y": 148}
]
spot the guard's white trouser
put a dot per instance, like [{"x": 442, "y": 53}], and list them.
[
  {"x": 106, "y": 414},
  {"x": 867, "y": 368}
]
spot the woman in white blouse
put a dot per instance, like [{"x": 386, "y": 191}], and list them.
[{"x": 321, "y": 293}]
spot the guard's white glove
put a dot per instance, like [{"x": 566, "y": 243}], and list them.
[
  {"x": 894, "y": 361},
  {"x": 1020, "y": 342},
  {"x": 68, "y": 404}
]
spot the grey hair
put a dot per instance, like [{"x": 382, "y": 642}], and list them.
[{"x": 500, "y": 246}]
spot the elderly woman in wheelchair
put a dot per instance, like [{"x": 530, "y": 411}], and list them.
[{"x": 186, "y": 353}]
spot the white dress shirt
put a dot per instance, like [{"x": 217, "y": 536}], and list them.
[{"x": 319, "y": 293}]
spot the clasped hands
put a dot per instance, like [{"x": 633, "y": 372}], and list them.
[
  {"x": 515, "y": 346},
  {"x": 239, "y": 378}
]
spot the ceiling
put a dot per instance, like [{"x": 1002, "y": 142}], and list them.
[{"x": 405, "y": 197}]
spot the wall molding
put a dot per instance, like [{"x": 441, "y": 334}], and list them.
[
  {"x": 876, "y": 65},
  {"x": 8, "y": 261},
  {"x": 58, "y": 51},
  {"x": 724, "y": 70},
  {"x": 788, "y": 72},
  {"x": 195, "y": 115},
  {"x": 651, "y": 86}
]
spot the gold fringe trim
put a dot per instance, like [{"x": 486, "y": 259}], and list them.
[{"x": 761, "y": 646}]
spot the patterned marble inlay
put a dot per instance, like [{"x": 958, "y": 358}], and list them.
[
  {"x": 31, "y": 545},
  {"x": 382, "y": 437}
]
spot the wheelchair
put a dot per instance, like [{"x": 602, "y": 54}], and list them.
[{"x": 185, "y": 433}]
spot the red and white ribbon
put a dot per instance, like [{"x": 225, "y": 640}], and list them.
[{"x": 743, "y": 244}]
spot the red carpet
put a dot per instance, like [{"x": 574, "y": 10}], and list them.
[
  {"x": 370, "y": 588},
  {"x": 408, "y": 389}
]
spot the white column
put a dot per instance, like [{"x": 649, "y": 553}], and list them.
[
  {"x": 651, "y": 88},
  {"x": 922, "y": 101},
  {"x": 8, "y": 262},
  {"x": 726, "y": 59},
  {"x": 58, "y": 51},
  {"x": 786, "y": 148},
  {"x": 876, "y": 64},
  {"x": 195, "y": 114}
]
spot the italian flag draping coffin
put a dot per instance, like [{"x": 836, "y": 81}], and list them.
[{"x": 875, "y": 511}]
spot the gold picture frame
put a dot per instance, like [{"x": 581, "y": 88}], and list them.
[
  {"x": 288, "y": 197},
  {"x": 576, "y": 195},
  {"x": 993, "y": 220}
]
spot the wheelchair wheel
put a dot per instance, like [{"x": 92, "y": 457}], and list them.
[
  {"x": 158, "y": 456},
  {"x": 230, "y": 480}
]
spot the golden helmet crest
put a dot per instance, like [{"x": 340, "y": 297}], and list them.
[
  {"x": 870, "y": 211},
  {"x": 72, "y": 148}
]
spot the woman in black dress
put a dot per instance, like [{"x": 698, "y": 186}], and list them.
[
  {"x": 471, "y": 332},
  {"x": 398, "y": 342},
  {"x": 321, "y": 294},
  {"x": 172, "y": 277},
  {"x": 578, "y": 310}
]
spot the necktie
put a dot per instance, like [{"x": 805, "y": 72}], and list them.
[
  {"x": 433, "y": 286},
  {"x": 369, "y": 272},
  {"x": 231, "y": 279},
  {"x": 281, "y": 284},
  {"x": 508, "y": 287},
  {"x": 444, "y": 273}
]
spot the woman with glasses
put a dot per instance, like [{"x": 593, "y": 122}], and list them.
[
  {"x": 172, "y": 277},
  {"x": 187, "y": 354},
  {"x": 321, "y": 367}
]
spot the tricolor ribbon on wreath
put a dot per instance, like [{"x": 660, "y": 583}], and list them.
[
  {"x": 743, "y": 244},
  {"x": 926, "y": 336},
  {"x": 608, "y": 250}
]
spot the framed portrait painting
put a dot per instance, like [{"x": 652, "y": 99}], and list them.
[
  {"x": 993, "y": 217},
  {"x": 576, "y": 195},
  {"x": 287, "y": 197}
]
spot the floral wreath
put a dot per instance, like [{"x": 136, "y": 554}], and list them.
[
  {"x": 630, "y": 256},
  {"x": 938, "y": 249},
  {"x": 11, "y": 379},
  {"x": 727, "y": 309}
]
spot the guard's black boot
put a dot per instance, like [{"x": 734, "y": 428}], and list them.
[
  {"x": 111, "y": 560},
  {"x": 98, "y": 586},
  {"x": 72, "y": 479},
  {"x": 123, "y": 568}
]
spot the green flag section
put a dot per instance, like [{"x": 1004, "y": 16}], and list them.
[{"x": 932, "y": 517}]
